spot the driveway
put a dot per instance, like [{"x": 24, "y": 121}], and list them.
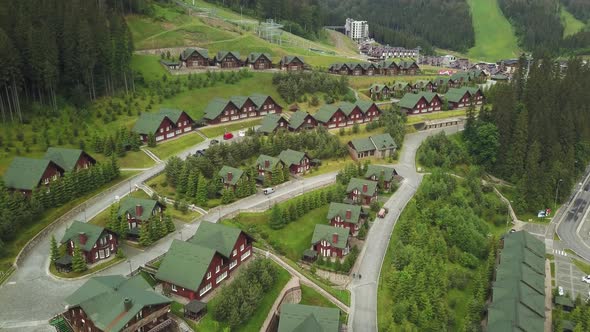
[{"x": 363, "y": 317}]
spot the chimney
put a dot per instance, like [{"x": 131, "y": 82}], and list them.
[
  {"x": 335, "y": 238},
  {"x": 266, "y": 163},
  {"x": 365, "y": 188},
  {"x": 138, "y": 210},
  {"x": 348, "y": 214},
  {"x": 230, "y": 176},
  {"x": 82, "y": 237},
  {"x": 127, "y": 303}
]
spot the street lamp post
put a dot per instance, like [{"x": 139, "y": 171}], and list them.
[
  {"x": 130, "y": 268},
  {"x": 180, "y": 233},
  {"x": 556, "y": 192}
]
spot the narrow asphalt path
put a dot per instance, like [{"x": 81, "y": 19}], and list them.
[{"x": 363, "y": 316}]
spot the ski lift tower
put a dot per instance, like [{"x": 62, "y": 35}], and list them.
[{"x": 271, "y": 31}]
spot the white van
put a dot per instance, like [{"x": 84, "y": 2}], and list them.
[{"x": 268, "y": 191}]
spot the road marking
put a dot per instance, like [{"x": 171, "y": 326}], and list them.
[
  {"x": 11, "y": 283},
  {"x": 560, "y": 252}
]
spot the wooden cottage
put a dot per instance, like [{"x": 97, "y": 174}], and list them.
[
  {"x": 27, "y": 174},
  {"x": 361, "y": 191},
  {"x": 329, "y": 241},
  {"x": 259, "y": 61},
  {"x": 165, "y": 124},
  {"x": 292, "y": 63},
  {"x": 96, "y": 243},
  {"x": 298, "y": 162},
  {"x": 194, "y": 57}
]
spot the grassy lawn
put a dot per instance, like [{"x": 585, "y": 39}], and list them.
[
  {"x": 208, "y": 324},
  {"x": 310, "y": 296},
  {"x": 189, "y": 217},
  {"x": 529, "y": 216},
  {"x": 364, "y": 82},
  {"x": 412, "y": 119},
  {"x": 24, "y": 235},
  {"x": 583, "y": 266},
  {"x": 571, "y": 24},
  {"x": 329, "y": 165},
  {"x": 149, "y": 66},
  {"x": 294, "y": 238},
  {"x": 219, "y": 130},
  {"x": 160, "y": 185},
  {"x": 95, "y": 268},
  {"x": 195, "y": 101},
  {"x": 494, "y": 36},
  {"x": 132, "y": 159},
  {"x": 102, "y": 218},
  {"x": 361, "y": 134},
  {"x": 169, "y": 148}
]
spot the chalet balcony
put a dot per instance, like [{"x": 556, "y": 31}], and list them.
[{"x": 163, "y": 326}]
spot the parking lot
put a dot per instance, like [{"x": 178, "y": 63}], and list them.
[{"x": 569, "y": 276}]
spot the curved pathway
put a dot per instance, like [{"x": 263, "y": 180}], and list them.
[{"x": 363, "y": 316}]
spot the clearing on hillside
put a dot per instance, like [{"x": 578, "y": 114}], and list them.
[
  {"x": 494, "y": 36},
  {"x": 571, "y": 24}
]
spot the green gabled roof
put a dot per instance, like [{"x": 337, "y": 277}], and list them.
[
  {"x": 128, "y": 204},
  {"x": 325, "y": 232},
  {"x": 366, "y": 65},
  {"x": 365, "y": 105},
  {"x": 338, "y": 66},
  {"x": 287, "y": 59},
  {"x": 297, "y": 119},
  {"x": 189, "y": 51},
  {"x": 252, "y": 57},
  {"x": 26, "y": 173},
  {"x": 339, "y": 209},
  {"x": 455, "y": 94},
  {"x": 346, "y": 107},
  {"x": 377, "y": 87},
  {"x": 65, "y": 158},
  {"x": 259, "y": 99},
  {"x": 325, "y": 113},
  {"x": 409, "y": 100},
  {"x": 102, "y": 299},
  {"x": 273, "y": 161},
  {"x": 377, "y": 170},
  {"x": 407, "y": 64},
  {"x": 511, "y": 315},
  {"x": 400, "y": 85},
  {"x": 218, "y": 237},
  {"x": 222, "y": 54},
  {"x": 239, "y": 101},
  {"x": 306, "y": 318},
  {"x": 457, "y": 76},
  {"x": 444, "y": 79},
  {"x": 185, "y": 264},
  {"x": 356, "y": 183},
  {"x": 291, "y": 157},
  {"x": 423, "y": 82},
  {"x": 383, "y": 141},
  {"x": 236, "y": 174},
  {"x": 148, "y": 123},
  {"x": 171, "y": 113},
  {"x": 564, "y": 301},
  {"x": 388, "y": 63},
  {"x": 93, "y": 233},
  {"x": 362, "y": 144},
  {"x": 499, "y": 77},
  {"x": 269, "y": 123},
  {"x": 215, "y": 107}
]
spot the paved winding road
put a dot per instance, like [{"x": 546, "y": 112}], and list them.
[{"x": 363, "y": 317}]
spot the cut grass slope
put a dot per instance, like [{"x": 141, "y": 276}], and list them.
[
  {"x": 571, "y": 24},
  {"x": 494, "y": 36}
]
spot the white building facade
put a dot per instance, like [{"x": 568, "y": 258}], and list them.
[{"x": 356, "y": 30}]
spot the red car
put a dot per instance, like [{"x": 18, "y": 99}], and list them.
[{"x": 227, "y": 136}]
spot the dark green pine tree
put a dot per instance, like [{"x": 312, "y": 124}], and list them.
[
  {"x": 113, "y": 223},
  {"x": 381, "y": 181},
  {"x": 192, "y": 185},
  {"x": 276, "y": 218},
  {"x": 153, "y": 228},
  {"x": 123, "y": 227},
  {"x": 182, "y": 185},
  {"x": 269, "y": 180},
  {"x": 54, "y": 250},
  {"x": 286, "y": 174},
  {"x": 300, "y": 207},
  {"x": 293, "y": 212},
  {"x": 517, "y": 150},
  {"x": 169, "y": 223},
  {"x": 532, "y": 178},
  {"x": 144, "y": 234},
  {"x": 115, "y": 170},
  {"x": 151, "y": 140},
  {"x": 78, "y": 261},
  {"x": 202, "y": 191},
  {"x": 251, "y": 181}
]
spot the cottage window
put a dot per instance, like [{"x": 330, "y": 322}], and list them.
[
  {"x": 46, "y": 181},
  {"x": 233, "y": 264},
  {"x": 205, "y": 289},
  {"x": 235, "y": 252},
  {"x": 161, "y": 130},
  {"x": 242, "y": 247},
  {"x": 173, "y": 287},
  {"x": 208, "y": 275},
  {"x": 110, "y": 237},
  {"x": 96, "y": 255},
  {"x": 221, "y": 277},
  {"x": 112, "y": 247},
  {"x": 217, "y": 268},
  {"x": 139, "y": 315}
]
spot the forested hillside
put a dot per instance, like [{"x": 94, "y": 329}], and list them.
[
  {"x": 409, "y": 23},
  {"x": 80, "y": 49},
  {"x": 301, "y": 17},
  {"x": 579, "y": 8},
  {"x": 537, "y": 134}
]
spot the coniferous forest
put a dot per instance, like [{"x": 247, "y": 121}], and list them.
[
  {"x": 63, "y": 48},
  {"x": 537, "y": 133}
]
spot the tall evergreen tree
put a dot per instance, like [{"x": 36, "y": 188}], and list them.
[
  {"x": 54, "y": 251},
  {"x": 78, "y": 261}
]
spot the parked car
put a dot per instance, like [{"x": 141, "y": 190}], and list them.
[
  {"x": 213, "y": 142},
  {"x": 227, "y": 136},
  {"x": 268, "y": 191},
  {"x": 382, "y": 213},
  {"x": 560, "y": 291},
  {"x": 586, "y": 279},
  {"x": 512, "y": 230},
  {"x": 241, "y": 133}
]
